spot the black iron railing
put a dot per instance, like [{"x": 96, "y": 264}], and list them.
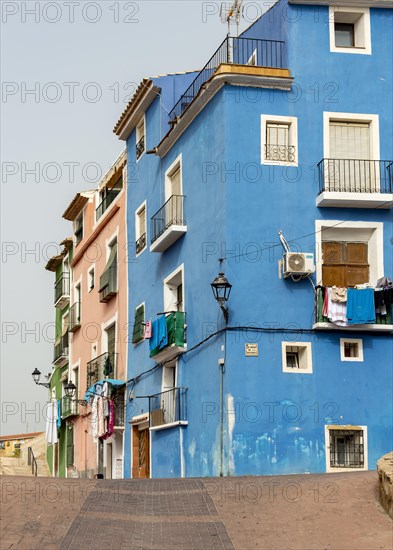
[
  {"x": 168, "y": 407},
  {"x": 280, "y": 153},
  {"x": 238, "y": 51},
  {"x": 140, "y": 243},
  {"x": 69, "y": 407},
  {"x": 172, "y": 213},
  {"x": 31, "y": 461},
  {"x": 355, "y": 176},
  {"x": 108, "y": 284},
  {"x": 101, "y": 367},
  {"x": 140, "y": 147},
  {"x": 61, "y": 349},
  {"x": 62, "y": 286},
  {"x": 75, "y": 317},
  {"x": 106, "y": 202}
]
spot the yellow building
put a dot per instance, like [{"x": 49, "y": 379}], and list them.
[{"x": 10, "y": 445}]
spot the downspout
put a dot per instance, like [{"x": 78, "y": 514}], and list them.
[{"x": 221, "y": 363}]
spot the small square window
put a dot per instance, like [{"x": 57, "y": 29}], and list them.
[
  {"x": 296, "y": 357},
  {"x": 344, "y": 35},
  {"x": 351, "y": 349},
  {"x": 350, "y": 30}
]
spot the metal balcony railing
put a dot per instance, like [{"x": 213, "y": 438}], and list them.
[
  {"x": 168, "y": 407},
  {"x": 140, "y": 243},
  {"x": 106, "y": 202},
  {"x": 75, "y": 317},
  {"x": 61, "y": 349},
  {"x": 355, "y": 176},
  {"x": 69, "y": 407},
  {"x": 140, "y": 147},
  {"x": 172, "y": 213},
  {"x": 101, "y": 367},
  {"x": 280, "y": 153},
  {"x": 110, "y": 288},
  {"x": 62, "y": 286},
  {"x": 237, "y": 51}
]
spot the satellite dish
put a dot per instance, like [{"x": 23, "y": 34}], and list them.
[{"x": 231, "y": 12}]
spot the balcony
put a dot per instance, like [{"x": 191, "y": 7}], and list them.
[
  {"x": 168, "y": 224},
  {"x": 351, "y": 183},
  {"x": 234, "y": 51},
  {"x": 140, "y": 147},
  {"x": 100, "y": 368},
  {"x": 106, "y": 202},
  {"x": 75, "y": 317},
  {"x": 383, "y": 323},
  {"x": 62, "y": 290},
  {"x": 140, "y": 244},
  {"x": 69, "y": 408},
  {"x": 108, "y": 284},
  {"x": 176, "y": 341},
  {"x": 168, "y": 408},
  {"x": 61, "y": 351}
]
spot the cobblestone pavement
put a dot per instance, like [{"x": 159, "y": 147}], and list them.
[{"x": 335, "y": 511}]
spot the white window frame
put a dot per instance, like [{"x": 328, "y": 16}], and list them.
[
  {"x": 177, "y": 163},
  {"x": 91, "y": 268},
  {"x": 373, "y": 120},
  {"x": 360, "y": 18},
  {"x": 357, "y": 341},
  {"x": 307, "y": 357},
  {"x": 292, "y": 137},
  {"x": 168, "y": 295},
  {"x": 138, "y": 234},
  {"x": 138, "y": 135},
  {"x": 348, "y": 231},
  {"x": 332, "y": 469}
]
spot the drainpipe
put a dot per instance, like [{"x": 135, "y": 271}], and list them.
[{"x": 221, "y": 363}]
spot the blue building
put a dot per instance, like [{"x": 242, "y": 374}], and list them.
[{"x": 272, "y": 165}]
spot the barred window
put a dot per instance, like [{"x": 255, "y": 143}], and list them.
[{"x": 346, "y": 448}]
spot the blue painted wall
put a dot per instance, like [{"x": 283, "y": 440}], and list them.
[{"x": 274, "y": 421}]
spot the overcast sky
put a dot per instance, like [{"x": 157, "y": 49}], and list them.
[{"x": 67, "y": 70}]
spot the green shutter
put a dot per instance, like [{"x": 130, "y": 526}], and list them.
[
  {"x": 139, "y": 329},
  {"x": 112, "y": 261}
]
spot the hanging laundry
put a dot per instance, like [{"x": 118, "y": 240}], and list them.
[
  {"x": 159, "y": 337},
  {"x": 94, "y": 419},
  {"x": 59, "y": 413},
  {"x": 148, "y": 330},
  {"x": 111, "y": 421},
  {"x": 51, "y": 422},
  {"x": 360, "y": 306},
  {"x": 105, "y": 395},
  {"x": 100, "y": 417},
  {"x": 339, "y": 294},
  {"x": 336, "y": 311}
]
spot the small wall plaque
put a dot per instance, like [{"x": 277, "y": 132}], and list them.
[{"x": 251, "y": 350}]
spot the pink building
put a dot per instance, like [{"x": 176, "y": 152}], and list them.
[{"x": 98, "y": 320}]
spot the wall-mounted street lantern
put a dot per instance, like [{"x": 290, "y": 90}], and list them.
[
  {"x": 221, "y": 288},
  {"x": 36, "y": 377},
  {"x": 70, "y": 391}
]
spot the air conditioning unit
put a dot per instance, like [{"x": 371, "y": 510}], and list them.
[{"x": 297, "y": 263}]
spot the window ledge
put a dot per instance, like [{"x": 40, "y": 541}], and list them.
[
  {"x": 170, "y": 425},
  {"x": 354, "y": 328}
]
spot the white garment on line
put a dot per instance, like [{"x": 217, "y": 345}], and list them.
[{"x": 51, "y": 422}]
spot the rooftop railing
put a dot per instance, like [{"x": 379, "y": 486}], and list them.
[{"x": 236, "y": 51}]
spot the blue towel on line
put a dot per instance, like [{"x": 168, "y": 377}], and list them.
[
  {"x": 360, "y": 306},
  {"x": 159, "y": 338}
]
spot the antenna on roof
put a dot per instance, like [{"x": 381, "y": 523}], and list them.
[{"x": 230, "y": 13}]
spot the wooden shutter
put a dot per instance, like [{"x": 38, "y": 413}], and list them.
[
  {"x": 111, "y": 335},
  {"x": 345, "y": 264},
  {"x": 349, "y": 140},
  {"x": 176, "y": 182},
  {"x": 139, "y": 329}
]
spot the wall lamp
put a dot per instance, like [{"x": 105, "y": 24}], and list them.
[
  {"x": 36, "y": 377},
  {"x": 221, "y": 288},
  {"x": 70, "y": 391}
]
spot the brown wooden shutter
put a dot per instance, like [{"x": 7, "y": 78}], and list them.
[{"x": 345, "y": 264}]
